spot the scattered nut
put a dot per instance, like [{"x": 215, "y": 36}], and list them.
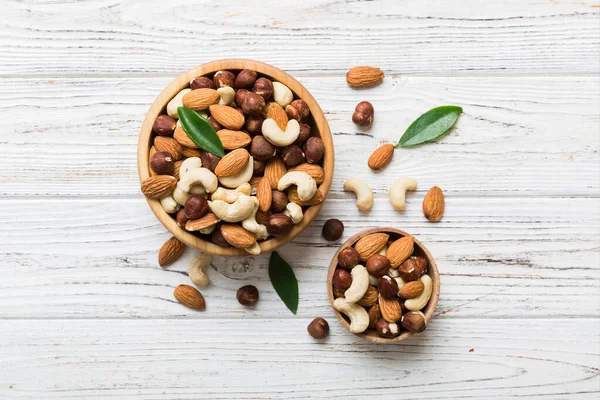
[
  {"x": 363, "y": 77},
  {"x": 333, "y": 229},
  {"x": 433, "y": 204},
  {"x": 197, "y": 269},
  {"x": 247, "y": 295},
  {"x": 381, "y": 157},
  {"x": 398, "y": 190},
  {"x": 190, "y": 297},
  {"x": 364, "y": 195},
  {"x": 363, "y": 114},
  {"x": 170, "y": 252},
  {"x": 318, "y": 328}
]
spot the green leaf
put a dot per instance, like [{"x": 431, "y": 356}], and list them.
[
  {"x": 200, "y": 131},
  {"x": 430, "y": 126},
  {"x": 284, "y": 281}
]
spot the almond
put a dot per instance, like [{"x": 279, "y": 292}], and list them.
[
  {"x": 374, "y": 315},
  {"x": 186, "y": 152},
  {"x": 370, "y": 297},
  {"x": 151, "y": 154},
  {"x": 233, "y": 139},
  {"x": 277, "y": 113},
  {"x": 170, "y": 252},
  {"x": 274, "y": 170},
  {"x": 232, "y": 163},
  {"x": 182, "y": 138},
  {"x": 433, "y": 204},
  {"x": 264, "y": 194},
  {"x": 371, "y": 244},
  {"x": 227, "y": 116},
  {"x": 391, "y": 310},
  {"x": 362, "y": 77},
  {"x": 293, "y": 197},
  {"x": 200, "y": 99},
  {"x": 237, "y": 236},
  {"x": 314, "y": 170},
  {"x": 177, "y": 168},
  {"x": 170, "y": 145},
  {"x": 381, "y": 156},
  {"x": 400, "y": 250},
  {"x": 159, "y": 186},
  {"x": 204, "y": 222},
  {"x": 411, "y": 290},
  {"x": 190, "y": 297}
]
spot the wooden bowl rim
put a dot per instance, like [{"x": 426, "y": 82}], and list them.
[
  {"x": 181, "y": 82},
  {"x": 433, "y": 272}
]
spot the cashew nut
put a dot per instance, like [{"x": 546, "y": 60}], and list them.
[
  {"x": 227, "y": 95},
  {"x": 307, "y": 187},
  {"x": 359, "y": 318},
  {"x": 244, "y": 176},
  {"x": 231, "y": 195},
  {"x": 188, "y": 164},
  {"x": 383, "y": 251},
  {"x": 235, "y": 212},
  {"x": 359, "y": 286},
  {"x": 180, "y": 196},
  {"x": 393, "y": 273},
  {"x": 254, "y": 249},
  {"x": 282, "y": 94},
  {"x": 294, "y": 211},
  {"x": 420, "y": 301},
  {"x": 373, "y": 280},
  {"x": 175, "y": 102},
  {"x": 251, "y": 225},
  {"x": 197, "y": 269},
  {"x": 398, "y": 192},
  {"x": 364, "y": 195},
  {"x": 276, "y": 136},
  {"x": 196, "y": 177},
  {"x": 169, "y": 204},
  {"x": 207, "y": 231}
]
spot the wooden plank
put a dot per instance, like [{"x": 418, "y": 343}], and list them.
[
  {"x": 504, "y": 257},
  {"x": 425, "y": 37},
  {"x": 524, "y": 136}
]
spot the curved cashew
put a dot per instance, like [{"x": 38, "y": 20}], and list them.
[
  {"x": 251, "y": 225},
  {"x": 398, "y": 190},
  {"x": 169, "y": 204},
  {"x": 180, "y": 196},
  {"x": 359, "y": 286},
  {"x": 175, "y": 102},
  {"x": 196, "y": 177},
  {"x": 420, "y": 301},
  {"x": 227, "y": 95},
  {"x": 282, "y": 94},
  {"x": 276, "y": 136},
  {"x": 189, "y": 164},
  {"x": 254, "y": 249},
  {"x": 197, "y": 269},
  {"x": 294, "y": 211},
  {"x": 307, "y": 187},
  {"x": 364, "y": 195},
  {"x": 231, "y": 195},
  {"x": 359, "y": 318},
  {"x": 235, "y": 212},
  {"x": 244, "y": 176}
]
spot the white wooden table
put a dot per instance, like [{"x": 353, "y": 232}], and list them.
[{"x": 85, "y": 312}]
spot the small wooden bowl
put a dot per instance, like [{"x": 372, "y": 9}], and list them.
[
  {"x": 420, "y": 250},
  {"x": 319, "y": 127}
]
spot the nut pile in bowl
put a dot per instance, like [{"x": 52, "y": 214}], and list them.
[{"x": 269, "y": 183}]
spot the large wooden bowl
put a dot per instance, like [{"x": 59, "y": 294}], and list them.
[
  {"x": 319, "y": 127},
  {"x": 420, "y": 250}
]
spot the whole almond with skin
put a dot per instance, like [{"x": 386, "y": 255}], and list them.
[
  {"x": 227, "y": 116},
  {"x": 204, "y": 222},
  {"x": 233, "y": 139},
  {"x": 363, "y": 76},
  {"x": 370, "y": 298},
  {"x": 374, "y": 315},
  {"x": 159, "y": 186},
  {"x": 232, "y": 163},
  {"x": 237, "y": 236},
  {"x": 381, "y": 156},
  {"x": 292, "y": 194},
  {"x": 177, "y": 168},
  {"x": 170, "y": 252},
  {"x": 371, "y": 244},
  {"x": 190, "y": 297},
  {"x": 433, "y": 204},
  {"x": 277, "y": 113},
  {"x": 200, "y": 99},
  {"x": 186, "y": 152},
  {"x": 411, "y": 290},
  {"x": 264, "y": 194},
  {"x": 274, "y": 170},
  {"x": 400, "y": 250},
  {"x": 314, "y": 170},
  {"x": 391, "y": 310},
  {"x": 182, "y": 138},
  {"x": 170, "y": 145}
]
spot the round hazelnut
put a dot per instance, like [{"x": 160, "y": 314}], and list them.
[
  {"x": 341, "y": 279},
  {"x": 348, "y": 257},
  {"x": 164, "y": 125},
  {"x": 318, "y": 328},
  {"x": 314, "y": 150},
  {"x": 261, "y": 149},
  {"x": 240, "y": 94},
  {"x": 223, "y": 78},
  {"x": 292, "y": 156},
  {"x": 253, "y": 104},
  {"x": 388, "y": 287},
  {"x": 408, "y": 270},
  {"x": 333, "y": 229},
  {"x": 363, "y": 114},
  {"x": 218, "y": 239},
  {"x": 414, "y": 321},
  {"x": 420, "y": 264},
  {"x": 201, "y": 82},
  {"x": 386, "y": 329},
  {"x": 264, "y": 88},
  {"x": 247, "y": 295},
  {"x": 297, "y": 110},
  {"x": 378, "y": 265},
  {"x": 303, "y": 135},
  {"x": 259, "y": 168},
  {"x": 254, "y": 124},
  {"x": 279, "y": 224},
  {"x": 245, "y": 79},
  {"x": 213, "y": 122},
  {"x": 162, "y": 163},
  {"x": 196, "y": 207},
  {"x": 209, "y": 160},
  {"x": 278, "y": 201},
  {"x": 181, "y": 218}
]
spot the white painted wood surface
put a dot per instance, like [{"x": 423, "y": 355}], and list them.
[{"x": 85, "y": 312}]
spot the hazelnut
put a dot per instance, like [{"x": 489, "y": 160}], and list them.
[
  {"x": 279, "y": 224},
  {"x": 261, "y": 149},
  {"x": 303, "y": 135},
  {"x": 386, "y": 329},
  {"x": 162, "y": 163},
  {"x": 259, "y": 168},
  {"x": 388, "y": 287},
  {"x": 414, "y": 321},
  {"x": 348, "y": 257},
  {"x": 408, "y": 270},
  {"x": 239, "y": 96},
  {"x": 218, "y": 239},
  {"x": 247, "y": 295},
  {"x": 181, "y": 218},
  {"x": 213, "y": 122},
  {"x": 223, "y": 78},
  {"x": 297, "y": 110},
  {"x": 164, "y": 125},
  {"x": 253, "y": 104},
  {"x": 264, "y": 88},
  {"x": 378, "y": 265},
  {"x": 263, "y": 217},
  {"x": 420, "y": 264},
  {"x": 341, "y": 279},
  {"x": 196, "y": 207},
  {"x": 254, "y": 124},
  {"x": 278, "y": 201},
  {"x": 314, "y": 149},
  {"x": 202, "y": 82},
  {"x": 338, "y": 292},
  {"x": 333, "y": 229},
  {"x": 209, "y": 160},
  {"x": 292, "y": 156},
  {"x": 363, "y": 114},
  {"x": 245, "y": 79},
  {"x": 318, "y": 328}
]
